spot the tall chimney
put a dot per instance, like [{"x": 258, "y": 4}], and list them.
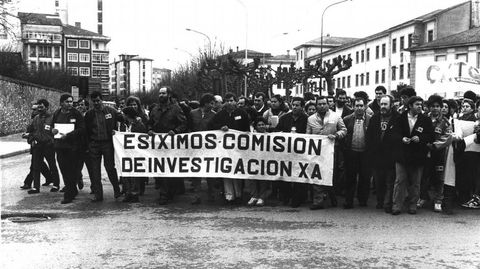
[{"x": 475, "y": 16}]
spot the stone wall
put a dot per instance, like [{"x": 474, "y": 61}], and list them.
[{"x": 16, "y": 99}]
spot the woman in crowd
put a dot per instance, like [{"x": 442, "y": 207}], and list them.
[
  {"x": 133, "y": 101},
  {"x": 310, "y": 108},
  {"x": 468, "y": 110}
]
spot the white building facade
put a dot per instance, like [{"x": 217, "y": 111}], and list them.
[{"x": 130, "y": 74}]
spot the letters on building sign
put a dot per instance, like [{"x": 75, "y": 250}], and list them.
[{"x": 451, "y": 72}]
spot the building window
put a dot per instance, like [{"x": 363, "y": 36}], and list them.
[
  {"x": 462, "y": 57},
  {"x": 377, "y": 76},
  {"x": 362, "y": 56},
  {"x": 367, "y": 79},
  {"x": 402, "y": 43},
  {"x": 394, "y": 45},
  {"x": 394, "y": 73},
  {"x": 72, "y": 43},
  {"x": 97, "y": 46},
  {"x": 440, "y": 58},
  {"x": 84, "y": 44},
  {"x": 343, "y": 82},
  {"x": 361, "y": 79},
  {"x": 84, "y": 57},
  {"x": 301, "y": 55},
  {"x": 377, "y": 52},
  {"x": 383, "y": 75},
  {"x": 478, "y": 60},
  {"x": 338, "y": 83},
  {"x": 348, "y": 82},
  {"x": 33, "y": 50},
  {"x": 410, "y": 40},
  {"x": 430, "y": 36},
  {"x": 85, "y": 71},
  {"x": 384, "y": 50},
  {"x": 73, "y": 71},
  {"x": 45, "y": 51},
  {"x": 356, "y": 57},
  {"x": 356, "y": 80},
  {"x": 333, "y": 83},
  {"x": 56, "y": 52},
  {"x": 349, "y": 56},
  {"x": 33, "y": 65},
  {"x": 72, "y": 57},
  {"x": 400, "y": 75},
  {"x": 57, "y": 66},
  {"x": 368, "y": 55},
  {"x": 408, "y": 70},
  {"x": 96, "y": 58}
]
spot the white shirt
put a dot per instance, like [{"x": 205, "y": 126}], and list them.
[{"x": 411, "y": 120}]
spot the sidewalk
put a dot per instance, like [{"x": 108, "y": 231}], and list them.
[{"x": 12, "y": 145}]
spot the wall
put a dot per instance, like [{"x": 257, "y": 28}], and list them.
[{"x": 16, "y": 99}]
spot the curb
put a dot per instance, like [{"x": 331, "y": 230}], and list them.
[{"x": 15, "y": 153}]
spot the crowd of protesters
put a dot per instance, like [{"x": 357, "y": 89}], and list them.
[{"x": 396, "y": 149}]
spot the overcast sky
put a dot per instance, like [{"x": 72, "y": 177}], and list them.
[{"x": 154, "y": 28}]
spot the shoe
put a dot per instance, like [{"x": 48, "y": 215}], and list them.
[
  {"x": 252, "y": 201},
  {"x": 412, "y": 211},
  {"x": 473, "y": 203},
  {"x": 62, "y": 190},
  {"x": 80, "y": 184},
  {"x": 396, "y": 212},
  {"x": 196, "y": 201},
  {"x": 388, "y": 210},
  {"x": 33, "y": 191},
  {"x": 54, "y": 189},
  {"x": 379, "y": 206},
  {"x": 25, "y": 187},
  {"x": 47, "y": 183},
  {"x": 421, "y": 203},
  {"x": 347, "y": 206},
  {"x": 117, "y": 194},
  {"x": 66, "y": 201},
  {"x": 437, "y": 207},
  {"x": 260, "y": 202},
  {"x": 317, "y": 206},
  {"x": 96, "y": 200}
]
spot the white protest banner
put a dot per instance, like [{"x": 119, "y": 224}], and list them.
[{"x": 271, "y": 156}]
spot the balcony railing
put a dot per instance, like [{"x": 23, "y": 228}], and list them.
[{"x": 43, "y": 37}]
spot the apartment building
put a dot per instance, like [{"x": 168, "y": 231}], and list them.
[
  {"x": 384, "y": 58},
  {"x": 130, "y": 74}
]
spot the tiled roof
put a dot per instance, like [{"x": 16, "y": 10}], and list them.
[
  {"x": 329, "y": 41},
  {"x": 39, "y": 19},
  {"x": 70, "y": 30},
  {"x": 250, "y": 54},
  {"x": 468, "y": 37}
]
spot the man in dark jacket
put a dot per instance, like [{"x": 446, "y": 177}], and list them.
[
  {"x": 100, "y": 122},
  {"x": 380, "y": 154},
  {"x": 41, "y": 139},
  {"x": 166, "y": 117},
  {"x": 68, "y": 144},
  {"x": 355, "y": 148},
  {"x": 294, "y": 121},
  {"x": 380, "y": 91},
  {"x": 231, "y": 117},
  {"x": 411, "y": 136}
]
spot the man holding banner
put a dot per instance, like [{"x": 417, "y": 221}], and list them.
[
  {"x": 324, "y": 122},
  {"x": 166, "y": 117},
  {"x": 231, "y": 117}
]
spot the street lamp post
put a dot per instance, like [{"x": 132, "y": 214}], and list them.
[
  {"x": 246, "y": 40},
  {"x": 321, "y": 30},
  {"x": 209, "y": 40}
]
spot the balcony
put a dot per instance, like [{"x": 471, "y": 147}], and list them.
[{"x": 39, "y": 37}]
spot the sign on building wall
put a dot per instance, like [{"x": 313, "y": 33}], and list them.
[{"x": 449, "y": 79}]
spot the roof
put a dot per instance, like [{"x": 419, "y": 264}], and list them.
[
  {"x": 421, "y": 19},
  {"x": 250, "y": 54},
  {"x": 73, "y": 31},
  {"x": 328, "y": 41},
  {"x": 39, "y": 19},
  {"x": 282, "y": 58},
  {"x": 465, "y": 38}
]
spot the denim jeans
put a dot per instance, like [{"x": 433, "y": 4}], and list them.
[{"x": 408, "y": 177}]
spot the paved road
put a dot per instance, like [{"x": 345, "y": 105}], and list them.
[{"x": 117, "y": 235}]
